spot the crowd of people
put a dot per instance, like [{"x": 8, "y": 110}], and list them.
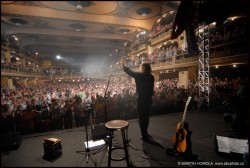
[
  {"x": 229, "y": 32},
  {"x": 15, "y": 65},
  {"x": 158, "y": 31},
  {"x": 10, "y": 66},
  {"x": 53, "y": 106}
]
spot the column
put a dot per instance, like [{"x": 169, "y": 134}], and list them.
[
  {"x": 150, "y": 49},
  {"x": 183, "y": 79},
  {"x": 192, "y": 73},
  {"x": 156, "y": 76},
  {"x": 4, "y": 81},
  {"x": 10, "y": 83},
  {"x": 7, "y": 55}
]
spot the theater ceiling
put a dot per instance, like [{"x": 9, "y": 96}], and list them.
[{"x": 97, "y": 31}]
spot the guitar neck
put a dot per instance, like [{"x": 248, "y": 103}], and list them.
[{"x": 185, "y": 111}]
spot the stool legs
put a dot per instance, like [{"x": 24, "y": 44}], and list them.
[
  {"x": 124, "y": 140},
  {"x": 110, "y": 147},
  {"x": 125, "y": 146}
]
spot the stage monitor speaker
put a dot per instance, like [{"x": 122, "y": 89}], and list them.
[
  {"x": 98, "y": 132},
  {"x": 52, "y": 148},
  {"x": 11, "y": 141}
]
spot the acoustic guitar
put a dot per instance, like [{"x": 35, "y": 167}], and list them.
[{"x": 179, "y": 139}]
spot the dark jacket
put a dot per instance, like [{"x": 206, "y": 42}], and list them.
[{"x": 144, "y": 82}]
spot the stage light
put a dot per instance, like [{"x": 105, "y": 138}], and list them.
[{"x": 58, "y": 57}]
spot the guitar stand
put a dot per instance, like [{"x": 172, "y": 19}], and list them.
[
  {"x": 172, "y": 152},
  {"x": 188, "y": 156},
  {"x": 87, "y": 150}
]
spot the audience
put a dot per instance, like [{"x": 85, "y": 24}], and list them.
[{"x": 54, "y": 106}]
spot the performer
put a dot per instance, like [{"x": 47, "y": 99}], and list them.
[{"x": 144, "y": 88}]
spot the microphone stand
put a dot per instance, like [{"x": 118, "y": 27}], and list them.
[
  {"x": 105, "y": 113},
  {"x": 105, "y": 98},
  {"x": 87, "y": 149}
]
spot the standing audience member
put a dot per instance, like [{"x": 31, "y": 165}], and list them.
[
  {"x": 18, "y": 117},
  {"x": 56, "y": 117},
  {"x": 7, "y": 120},
  {"x": 79, "y": 111},
  {"x": 68, "y": 117},
  {"x": 28, "y": 117}
]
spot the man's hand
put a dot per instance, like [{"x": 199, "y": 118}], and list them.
[{"x": 122, "y": 62}]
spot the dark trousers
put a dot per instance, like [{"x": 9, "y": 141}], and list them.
[{"x": 144, "y": 107}]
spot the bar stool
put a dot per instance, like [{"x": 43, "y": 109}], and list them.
[{"x": 117, "y": 125}]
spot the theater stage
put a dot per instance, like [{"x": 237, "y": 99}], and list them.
[{"x": 203, "y": 124}]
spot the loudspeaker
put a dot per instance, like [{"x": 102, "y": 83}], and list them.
[
  {"x": 98, "y": 132},
  {"x": 52, "y": 148},
  {"x": 11, "y": 141},
  {"x": 192, "y": 40}
]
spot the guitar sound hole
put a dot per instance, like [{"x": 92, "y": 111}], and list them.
[{"x": 180, "y": 135}]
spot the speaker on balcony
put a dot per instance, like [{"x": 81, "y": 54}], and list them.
[{"x": 192, "y": 40}]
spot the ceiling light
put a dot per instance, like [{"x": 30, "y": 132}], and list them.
[
  {"x": 144, "y": 11},
  {"x": 79, "y": 6},
  {"x": 58, "y": 57}
]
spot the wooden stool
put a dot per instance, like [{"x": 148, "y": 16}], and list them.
[{"x": 117, "y": 125}]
